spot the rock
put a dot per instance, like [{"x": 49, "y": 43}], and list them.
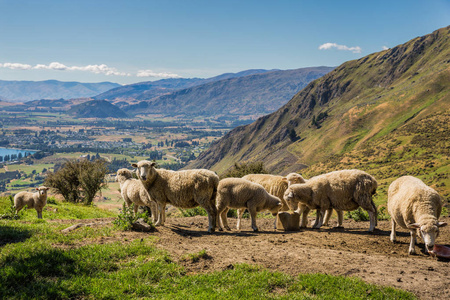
[
  {"x": 288, "y": 221},
  {"x": 140, "y": 225}
]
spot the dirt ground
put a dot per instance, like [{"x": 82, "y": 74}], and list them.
[{"x": 350, "y": 251}]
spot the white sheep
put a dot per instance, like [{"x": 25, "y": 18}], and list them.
[
  {"x": 36, "y": 200},
  {"x": 414, "y": 205},
  {"x": 243, "y": 194},
  {"x": 184, "y": 189},
  {"x": 133, "y": 191},
  {"x": 276, "y": 186},
  {"x": 339, "y": 190}
]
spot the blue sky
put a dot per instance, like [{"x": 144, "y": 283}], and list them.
[{"x": 132, "y": 41}]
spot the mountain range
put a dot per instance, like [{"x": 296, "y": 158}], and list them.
[
  {"x": 388, "y": 112},
  {"x": 246, "y": 94},
  {"x": 20, "y": 91}
]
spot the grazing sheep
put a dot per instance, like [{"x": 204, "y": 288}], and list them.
[
  {"x": 241, "y": 193},
  {"x": 339, "y": 190},
  {"x": 133, "y": 191},
  {"x": 36, "y": 200},
  {"x": 414, "y": 205},
  {"x": 184, "y": 189}
]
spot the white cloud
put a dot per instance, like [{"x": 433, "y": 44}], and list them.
[
  {"x": 96, "y": 69},
  {"x": 328, "y": 46},
  {"x": 16, "y": 66},
  {"x": 385, "y": 48},
  {"x": 150, "y": 73}
]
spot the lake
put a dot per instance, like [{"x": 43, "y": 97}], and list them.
[{"x": 8, "y": 151}]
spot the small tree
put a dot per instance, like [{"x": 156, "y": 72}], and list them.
[
  {"x": 240, "y": 170},
  {"x": 78, "y": 181}
]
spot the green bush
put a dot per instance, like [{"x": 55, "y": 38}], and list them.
[
  {"x": 191, "y": 212},
  {"x": 11, "y": 211},
  {"x": 126, "y": 218},
  {"x": 357, "y": 215}
]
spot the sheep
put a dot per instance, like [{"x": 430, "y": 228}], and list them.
[
  {"x": 36, "y": 200},
  {"x": 184, "y": 189},
  {"x": 415, "y": 206},
  {"x": 133, "y": 191},
  {"x": 276, "y": 186},
  {"x": 243, "y": 194},
  {"x": 339, "y": 190}
]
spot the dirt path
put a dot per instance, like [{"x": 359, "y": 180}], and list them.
[{"x": 351, "y": 251}]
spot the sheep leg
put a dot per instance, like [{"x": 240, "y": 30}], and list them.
[
  {"x": 319, "y": 218},
  {"x": 135, "y": 209},
  {"x": 220, "y": 221},
  {"x": 328, "y": 214},
  {"x": 224, "y": 218},
  {"x": 240, "y": 212},
  {"x": 212, "y": 216},
  {"x": 340, "y": 214},
  {"x": 252, "y": 212},
  {"x": 39, "y": 213},
  {"x": 303, "y": 210},
  {"x": 412, "y": 244},
  {"x": 393, "y": 236},
  {"x": 373, "y": 220},
  {"x": 154, "y": 210},
  {"x": 161, "y": 214}
]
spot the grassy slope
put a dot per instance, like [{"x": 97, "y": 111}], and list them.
[{"x": 74, "y": 265}]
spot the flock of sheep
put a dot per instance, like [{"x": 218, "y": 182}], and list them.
[{"x": 411, "y": 204}]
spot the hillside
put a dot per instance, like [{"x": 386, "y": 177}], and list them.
[
  {"x": 151, "y": 89},
  {"x": 253, "y": 94},
  {"x": 387, "y": 112},
  {"x": 97, "y": 109},
  {"x": 20, "y": 91}
]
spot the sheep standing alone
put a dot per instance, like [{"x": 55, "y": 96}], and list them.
[
  {"x": 36, "y": 200},
  {"x": 184, "y": 189},
  {"x": 133, "y": 191},
  {"x": 241, "y": 193},
  {"x": 414, "y": 205},
  {"x": 339, "y": 190}
]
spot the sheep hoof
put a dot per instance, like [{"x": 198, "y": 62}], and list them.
[
  {"x": 220, "y": 229},
  {"x": 412, "y": 252},
  {"x": 338, "y": 226},
  {"x": 211, "y": 230},
  {"x": 255, "y": 229},
  {"x": 228, "y": 228}
]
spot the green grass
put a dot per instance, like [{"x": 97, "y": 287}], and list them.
[
  {"x": 37, "y": 261},
  {"x": 59, "y": 210}
]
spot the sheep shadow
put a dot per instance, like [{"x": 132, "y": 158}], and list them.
[
  {"x": 185, "y": 231},
  {"x": 357, "y": 231},
  {"x": 11, "y": 235}
]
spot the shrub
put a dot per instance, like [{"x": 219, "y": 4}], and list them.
[
  {"x": 358, "y": 215},
  {"x": 240, "y": 170},
  {"x": 11, "y": 211},
  {"x": 126, "y": 218}
]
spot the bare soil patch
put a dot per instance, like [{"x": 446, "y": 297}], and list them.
[{"x": 350, "y": 251}]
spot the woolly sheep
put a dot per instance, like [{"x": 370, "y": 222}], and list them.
[
  {"x": 415, "y": 206},
  {"x": 339, "y": 190},
  {"x": 133, "y": 191},
  {"x": 184, "y": 189},
  {"x": 241, "y": 193},
  {"x": 36, "y": 200},
  {"x": 276, "y": 186}
]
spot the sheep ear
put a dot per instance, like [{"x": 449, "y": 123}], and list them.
[
  {"x": 152, "y": 164},
  {"x": 442, "y": 224},
  {"x": 284, "y": 179},
  {"x": 47, "y": 188},
  {"x": 37, "y": 189},
  {"x": 413, "y": 226},
  {"x": 134, "y": 165}
]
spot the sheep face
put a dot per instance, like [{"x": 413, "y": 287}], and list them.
[
  {"x": 301, "y": 194},
  {"x": 123, "y": 173},
  {"x": 42, "y": 191},
  {"x": 428, "y": 232},
  {"x": 293, "y": 178},
  {"x": 144, "y": 169},
  {"x": 274, "y": 210}
]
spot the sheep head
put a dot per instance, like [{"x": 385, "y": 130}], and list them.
[
  {"x": 145, "y": 169},
  {"x": 429, "y": 232},
  {"x": 293, "y": 178},
  {"x": 123, "y": 174},
  {"x": 42, "y": 190},
  {"x": 296, "y": 193}
]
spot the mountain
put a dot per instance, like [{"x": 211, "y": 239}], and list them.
[
  {"x": 252, "y": 94},
  {"x": 151, "y": 89},
  {"x": 97, "y": 109},
  {"x": 388, "y": 112},
  {"x": 20, "y": 91}
]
